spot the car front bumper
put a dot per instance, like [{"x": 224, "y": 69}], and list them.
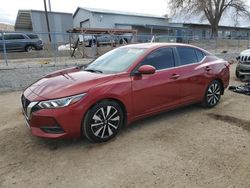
[
  {"x": 55, "y": 123},
  {"x": 243, "y": 69}
]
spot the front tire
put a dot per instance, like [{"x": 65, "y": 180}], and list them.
[
  {"x": 103, "y": 121},
  {"x": 213, "y": 94},
  {"x": 29, "y": 48}
]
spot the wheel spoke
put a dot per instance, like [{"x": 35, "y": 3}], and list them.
[
  {"x": 210, "y": 90},
  {"x": 96, "y": 124},
  {"x": 112, "y": 115},
  {"x": 112, "y": 125},
  {"x": 117, "y": 118},
  {"x": 216, "y": 97},
  {"x": 108, "y": 111},
  {"x": 97, "y": 118},
  {"x": 98, "y": 131},
  {"x": 217, "y": 90},
  {"x": 214, "y": 101},
  {"x": 110, "y": 131},
  {"x": 210, "y": 99},
  {"x": 104, "y": 129},
  {"x": 103, "y": 114},
  {"x": 217, "y": 93}
]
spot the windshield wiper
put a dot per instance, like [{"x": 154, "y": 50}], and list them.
[{"x": 93, "y": 70}]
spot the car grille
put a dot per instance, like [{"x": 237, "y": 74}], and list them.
[
  {"x": 25, "y": 104},
  {"x": 245, "y": 59},
  {"x": 29, "y": 107}
]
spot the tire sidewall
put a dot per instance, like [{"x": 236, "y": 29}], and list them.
[{"x": 29, "y": 48}]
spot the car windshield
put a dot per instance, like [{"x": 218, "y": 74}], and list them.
[{"x": 115, "y": 61}]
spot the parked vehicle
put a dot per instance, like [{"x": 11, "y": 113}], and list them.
[
  {"x": 123, "y": 85},
  {"x": 243, "y": 66},
  {"x": 20, "y": 42},
  {"x": 90, "y": 40}
]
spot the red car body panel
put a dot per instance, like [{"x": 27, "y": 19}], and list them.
[{"x": 139, "y": 95}]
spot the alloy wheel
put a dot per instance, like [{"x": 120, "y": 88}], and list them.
[
  {"x": 105, "y": 122},
  {"x": 213, "y": 94}
]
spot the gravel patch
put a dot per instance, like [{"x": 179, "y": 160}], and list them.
[{"x": 21, "y": 73}]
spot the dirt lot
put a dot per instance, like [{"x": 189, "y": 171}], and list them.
[{"x": 188, "y": 147}]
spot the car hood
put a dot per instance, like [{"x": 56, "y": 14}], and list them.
[
  {"x": 245, "y": 52},
  {"x": 67, "y": 82}
]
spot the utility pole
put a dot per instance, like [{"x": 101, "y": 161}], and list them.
[
  {"x": 49, "y": 6},
  {"x": 47, "y": 19}
]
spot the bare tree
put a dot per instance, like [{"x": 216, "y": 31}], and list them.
[{"x": 212, "y": 10}]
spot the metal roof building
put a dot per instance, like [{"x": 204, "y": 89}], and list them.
[
  {"x": 35, "y": 21},
  {"x": 99, "y": 18}
]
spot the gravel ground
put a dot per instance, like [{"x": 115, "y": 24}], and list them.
[
  {"x": 21, "y": 73},
  {"x": 187, "y": 147}
]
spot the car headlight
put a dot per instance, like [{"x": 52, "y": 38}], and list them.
[{"x": 60, "y": 103}]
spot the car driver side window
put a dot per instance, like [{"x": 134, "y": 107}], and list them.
[{"x": 160, "y": 59}]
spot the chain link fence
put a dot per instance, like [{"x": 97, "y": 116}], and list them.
[
  {"x": 25, "y": 58},
  {"x": 64, "y": 46}
]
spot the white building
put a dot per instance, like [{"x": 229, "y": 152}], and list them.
[
  {"x": 98, "y": 18},
  {"x": 34, "y": 21}
]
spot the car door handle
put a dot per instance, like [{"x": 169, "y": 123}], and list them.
[
  {"x": 175, "y": 76},
  {"x": 208, "y": 68}
]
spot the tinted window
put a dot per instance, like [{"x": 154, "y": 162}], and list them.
[
  {"x": 200, "y": 55},
  {"x": 13, "y": 37},
  {"x": 32, "y": 36},
  {"x": 160, "y": 59},
  {"x": 187, "y": 55}
]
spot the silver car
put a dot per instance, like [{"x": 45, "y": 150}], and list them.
[
  {"x": 243, "y": 66},
  {"x": 20, "y": 42}
]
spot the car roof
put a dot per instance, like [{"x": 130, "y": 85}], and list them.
[
  {"x": 14, "y": 33},
  {"x": 155, "y": 45},
  {"x": 159, "y": 45}
]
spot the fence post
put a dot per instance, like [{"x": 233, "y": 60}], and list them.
[
  {"x": 216, "y": 45},
  {"x": 4, "y": 49}
]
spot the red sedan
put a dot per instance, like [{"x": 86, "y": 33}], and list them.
[{"x": 123, "y": 85}]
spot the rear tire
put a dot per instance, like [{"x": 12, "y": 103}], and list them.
[
  {"x": 213, "y": 94},
  {"x": 103, "y": 121}
]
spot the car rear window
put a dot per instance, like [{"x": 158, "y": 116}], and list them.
[
  {"x": 187, "y": 55},
  {"x": 200, "y": 55}
]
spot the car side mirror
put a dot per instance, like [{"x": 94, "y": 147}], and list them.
[{"x": 146, "y": 69}]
